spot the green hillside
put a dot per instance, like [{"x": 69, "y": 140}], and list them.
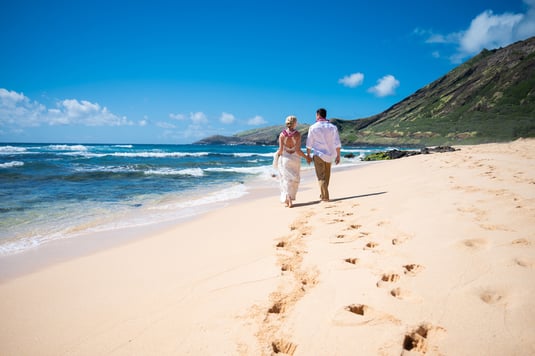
[{"x": 490, "y": 98}]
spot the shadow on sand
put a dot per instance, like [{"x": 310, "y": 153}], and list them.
[{"x": 298, "y": 205}]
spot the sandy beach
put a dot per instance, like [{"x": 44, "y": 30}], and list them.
[{"x": 431, "y": 254}]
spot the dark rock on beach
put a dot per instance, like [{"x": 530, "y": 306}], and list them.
[{"x": 395, "y": 154}]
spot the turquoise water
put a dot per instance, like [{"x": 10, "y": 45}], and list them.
[{"x": 57, "y": 191}]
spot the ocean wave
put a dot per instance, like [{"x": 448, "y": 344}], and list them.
[
  {"x": 149, "y": 154},
  {"x": 17, "y": 246},
  {"x": 154, "y": 154},
  {"x": 10, "y": 150},
  {"x": 143, "y": 154},
  {"x": 11, "y": 164},
  {"x": 243, "y": 170},
  {"x": 140, "y": 169},
  {"x": 252, "y": 154},
  {"x": 219, "y": 196},
  {"x": 68, "y": 147},
  {"x": 84, "y": 154},
  {"x": 194, "y": 172}
]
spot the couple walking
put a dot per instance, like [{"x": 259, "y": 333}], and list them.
[{"x": 322, "y": 140}]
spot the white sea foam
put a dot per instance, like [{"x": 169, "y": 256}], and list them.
[
  {"x": 109, "y": 169},
  {"x": 245, "y": 170},
  {"x": 85, "y": 154},
  {"x": 250, "y": 154},
  {"x": 69, "y": 222},
  {"x": 194, "y": 172},
  {"x": 9, "y": 150},
  {"x": 17, "y": 246},
  {"x": 208, "y": 198},
  {"x": 11, "y": 164},
  {"x": 149, "y": 154},
  {"x": 68, "y": 147}
]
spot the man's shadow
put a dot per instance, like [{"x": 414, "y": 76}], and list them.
[{"x": 298, "y": 205}]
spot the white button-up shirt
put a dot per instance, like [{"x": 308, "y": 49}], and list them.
[{"x": 323, "y": 139}]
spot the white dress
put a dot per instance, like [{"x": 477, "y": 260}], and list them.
[{"x": 289, "y": 171}]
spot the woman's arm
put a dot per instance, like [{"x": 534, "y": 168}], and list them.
[
  {"x": 298, "y": 147},
  {"x": 281, "y": 144}
]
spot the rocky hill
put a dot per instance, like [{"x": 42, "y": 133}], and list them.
[{"x": 489, "y": 98}]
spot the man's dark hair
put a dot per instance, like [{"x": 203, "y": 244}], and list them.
[{"x": 322, "y": 112}]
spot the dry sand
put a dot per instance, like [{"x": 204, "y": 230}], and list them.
[{"x": 431, "y": 254}]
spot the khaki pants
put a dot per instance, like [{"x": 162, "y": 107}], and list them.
[{"x": 323, "y": 173}]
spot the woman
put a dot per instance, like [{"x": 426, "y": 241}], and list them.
[{"x": 290, "y": 161}]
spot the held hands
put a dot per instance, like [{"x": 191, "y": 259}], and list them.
[{"x": 308, "y": 158}]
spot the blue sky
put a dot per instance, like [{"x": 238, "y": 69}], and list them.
[{"x": 178, "y": 71}]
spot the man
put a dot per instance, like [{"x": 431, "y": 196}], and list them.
[{"x": 323, "y": 139}]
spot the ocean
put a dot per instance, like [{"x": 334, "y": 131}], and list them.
[{"x": 50, "y": 192}]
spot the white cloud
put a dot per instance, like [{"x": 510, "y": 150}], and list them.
[
  {"x": 72, "y": 111},
  {"x": 143, "y": 122},
  {"x": 17, "y": 110},
  {"x": 487, "y": 30},
  {"x": 352, "y": 80},
  {"x": 11, "y": 98},
  {"x": 385, "y": 86},
  {"x": 227, "y": 118},
  {"x": 526, "y": 27},
  {"x": 179, "y": 117},
  {"x": 165, "y": 125},
  {"x": 256, "y": 121},
  {"x": 195, "y": 126},
  {"x": 444, "y": 39},
  {"x": 198, "y": 118}
]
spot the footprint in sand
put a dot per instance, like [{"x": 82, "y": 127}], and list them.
[
  {"x": 352, "y": 260},
  {"x": 286, "y": 267},
  {"x": 360, "y": 314},
  {"x": 336, "y": 221},
  {"x": 490, "y": 296},
  {"x": 354, "y": 227},
  {"x": 342, "y": 238},
  {"x": 302, "y": 225},
  {"x": 399, "y": 240},
  {"x": 341, "y": 213},
  {"x": 474, "y": 244},
  {"x": 412, "y": 269},
  {"x": 525, "y": 262},
  {"x": 419, "y": 339},
  {"x": 402, "y": 294},
  {"x": 283, "y": 347},
  {"x": 388, "y": 278},
  {"x": 359, "y": 309},
  {"x": 277, "y": 308},
  {"x": 392, "y": 277},
  {"x": 521, "y": 242},
  {"x": 370, "y": 245}
]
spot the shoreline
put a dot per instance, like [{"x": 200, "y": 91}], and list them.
[
  {"x": 62, "y": 250},
  {"x": 426, "y": 254}
]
